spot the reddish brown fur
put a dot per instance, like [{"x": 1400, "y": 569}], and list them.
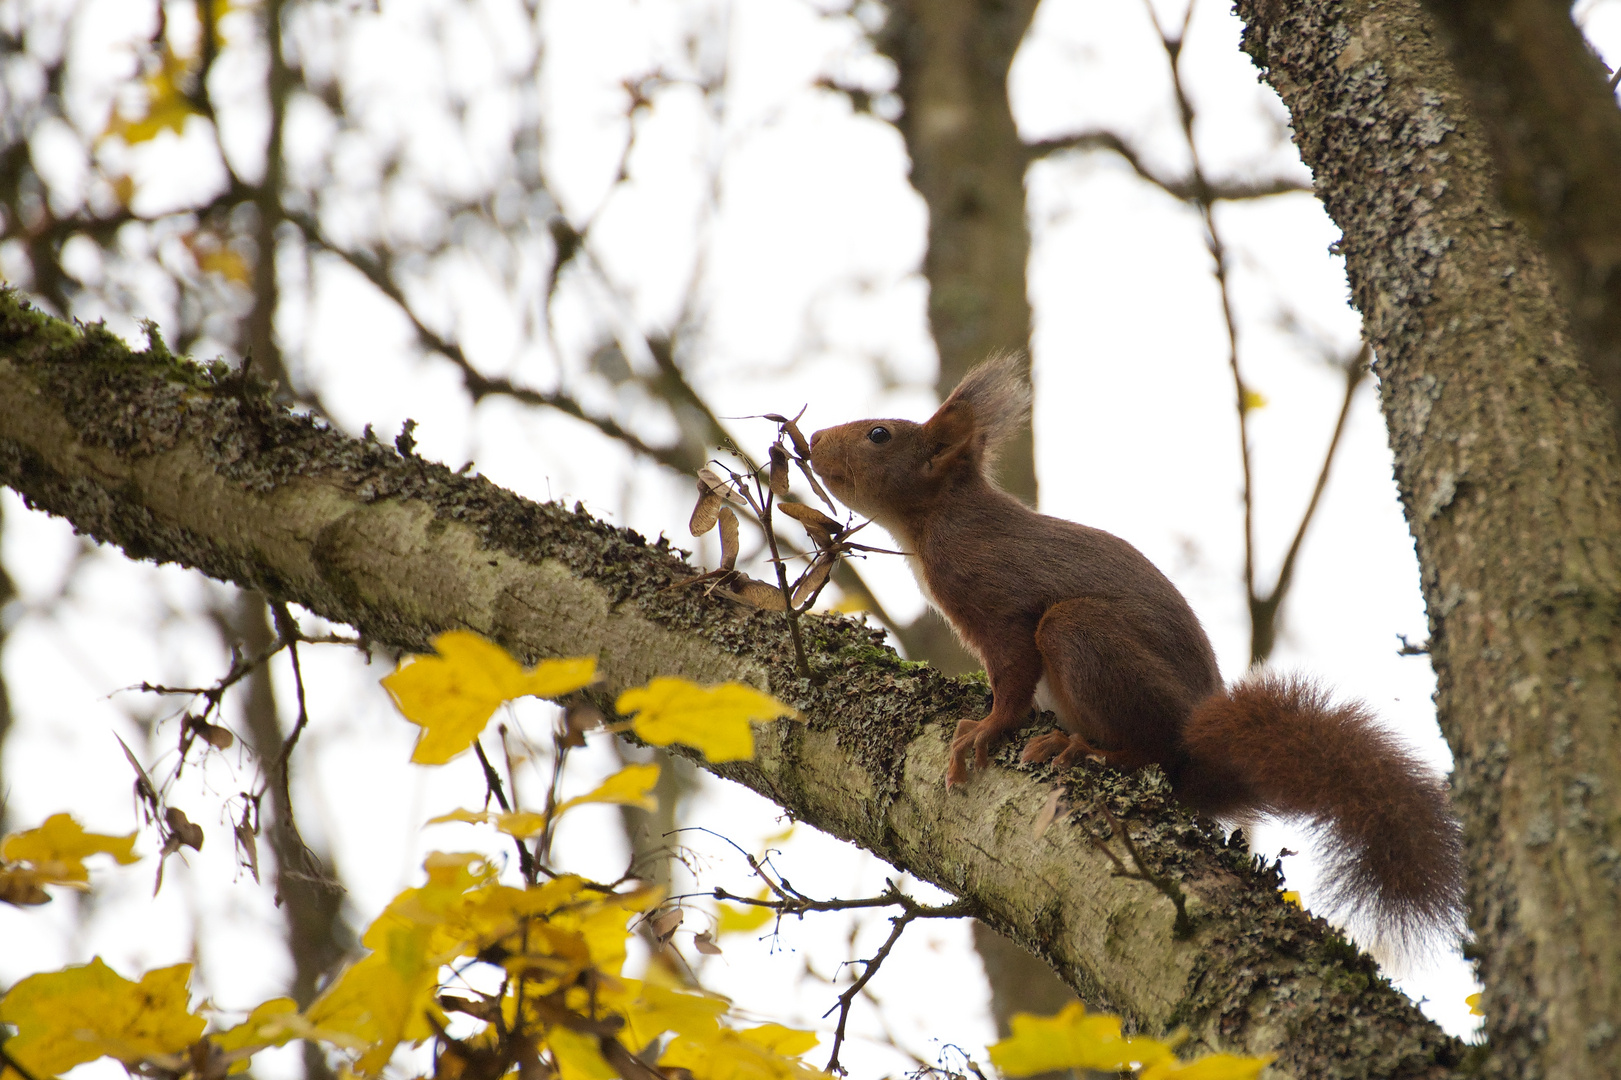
[{"x": 1132, "y": 672}]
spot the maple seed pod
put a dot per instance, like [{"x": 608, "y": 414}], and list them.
[
  {"x": 665, "y": 924},
  {"x": 801, "y": 447},
  {"x": 728, "y": 538},
  {"x": 705, "y": 943},
  {"x": 762, "y": 595},
  {"x": 212, "y": 734},
  {"x": 813, "y": 580},
  {"x": 706, "y": 513},
  {"x": 809, "y": 516},
  {"x": 189, "y": 834},
  {"x": 779, "y": 471}
]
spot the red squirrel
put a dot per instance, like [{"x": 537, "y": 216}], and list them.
[{"x": 1129, "y": 669}]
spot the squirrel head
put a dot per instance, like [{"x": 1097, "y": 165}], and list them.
[{"x": 890, "y": 470}]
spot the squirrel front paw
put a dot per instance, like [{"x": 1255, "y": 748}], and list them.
[{"x": 972, "y": 735}]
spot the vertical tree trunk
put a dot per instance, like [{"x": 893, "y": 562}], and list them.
[
  {"x": 968, "y": 163},
  {"x": 1507, "y": 465}
]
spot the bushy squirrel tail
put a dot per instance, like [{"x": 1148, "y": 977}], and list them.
[{"x": 1276, "y": 745}]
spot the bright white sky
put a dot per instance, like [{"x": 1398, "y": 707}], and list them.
[{"x": 809, "y": 292}]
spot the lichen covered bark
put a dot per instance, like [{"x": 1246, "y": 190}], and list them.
[
  {"x": 1509, "y": 478},
  {"x": 186, "y": 465}
]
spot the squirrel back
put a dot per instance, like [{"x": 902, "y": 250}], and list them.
[{"x": 1040, "y": 599}]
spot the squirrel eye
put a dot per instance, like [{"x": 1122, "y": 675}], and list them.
[{"x": 878, "y": 435}]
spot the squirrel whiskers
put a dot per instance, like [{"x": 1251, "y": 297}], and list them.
[{"x": 1043, "y": 601}]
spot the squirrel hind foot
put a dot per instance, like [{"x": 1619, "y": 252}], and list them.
[{"x": 1062, "y": 749}]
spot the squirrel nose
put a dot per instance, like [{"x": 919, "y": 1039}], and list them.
[{"x": 817, "y": 435}]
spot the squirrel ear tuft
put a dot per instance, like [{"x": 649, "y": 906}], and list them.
[{"x": 989, "y": 407}]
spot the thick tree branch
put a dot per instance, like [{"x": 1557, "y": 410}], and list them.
[
  {"x": 177, "y": 464},
  {"x": 1507, "y": 464},
  {"x": 1545, "y": 104}
]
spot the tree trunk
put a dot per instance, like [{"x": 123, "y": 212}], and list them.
[
  {"x": 968, "y": 163},
  {"x": 177, "y": 464},
  {"x": 1507, "y": 465}
]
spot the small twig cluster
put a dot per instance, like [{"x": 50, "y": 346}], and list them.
[
  {"x": 175, "y": 830},
  {"x": 762, "y": 491},
  {"x": 784, "y": 899}
]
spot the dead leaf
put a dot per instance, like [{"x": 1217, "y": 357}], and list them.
[
  {"x": 705, "y": 943},
  {"x": 1048, "y": 813},
  {"x": 728, "y": 538}
]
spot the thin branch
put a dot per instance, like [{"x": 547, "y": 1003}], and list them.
[
  {"x": 1186, "y": 188},
  {"x": 1264, "y": 610}
]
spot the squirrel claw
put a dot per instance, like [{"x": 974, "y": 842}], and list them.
[
  {"x": 966, "y": 736},
  {"x": 1057, "y": 747}
]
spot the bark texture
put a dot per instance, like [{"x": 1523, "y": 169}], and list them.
[
  {"x": 1555, "y": 133},
  {"x": 1507, "y": 465},
  {"x": 180, "y": 464}
]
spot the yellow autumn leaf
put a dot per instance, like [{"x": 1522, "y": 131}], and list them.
[
  {"x": 577, "y": 1056},
  {"x": 736, "y": 919},
  {"x": 452, "y": 696},
  {"x": 68, "y": 1017},
  {"x": 58, "y": 848},
  {"x": 1292, "y": 897},
  {"x": 1072, "y": 1039},
  {"x": 520, "y": 823},
  {"x": 276, "y": 1022},
  {"x": 650, "y": 1010},
  {"x": 713, "y": 720},
  {"x": 1209, "y": 1067},
  {"x": 1253, "y": 399},
  {"x": 266, "y": 1025},
  {"x": 1473, "y": 1001},
  {"x": 630, "y": 786},
  {"x": 767, "y": 1052},
  {"x": 167, "y": 106}
]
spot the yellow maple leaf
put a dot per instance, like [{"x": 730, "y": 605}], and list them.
[
  {"x": 1473, "y": 1001},
  {"x": 452, "y": 696},
  {"x": 1292, "y": 897},
  {"x": 767, "y": 1052},
  {"x": 577, "y": 1056},
  {"x": 1209, "y": 1067},
  {"x": 520, "y": 823},
  {"x": 276, "y": 1022},
  {"x": 58, "y": 848},
  {"x": 630, "y": 786},
  {"x": 1253, "y": 399},
  {"x": 1072, "y": 1039},
  {"x": 68, "y": 1017},
  {"x": 650, "y": 1010},
  {"x": 714, "y": 720},
  {"x": 735, "y": 919}
]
